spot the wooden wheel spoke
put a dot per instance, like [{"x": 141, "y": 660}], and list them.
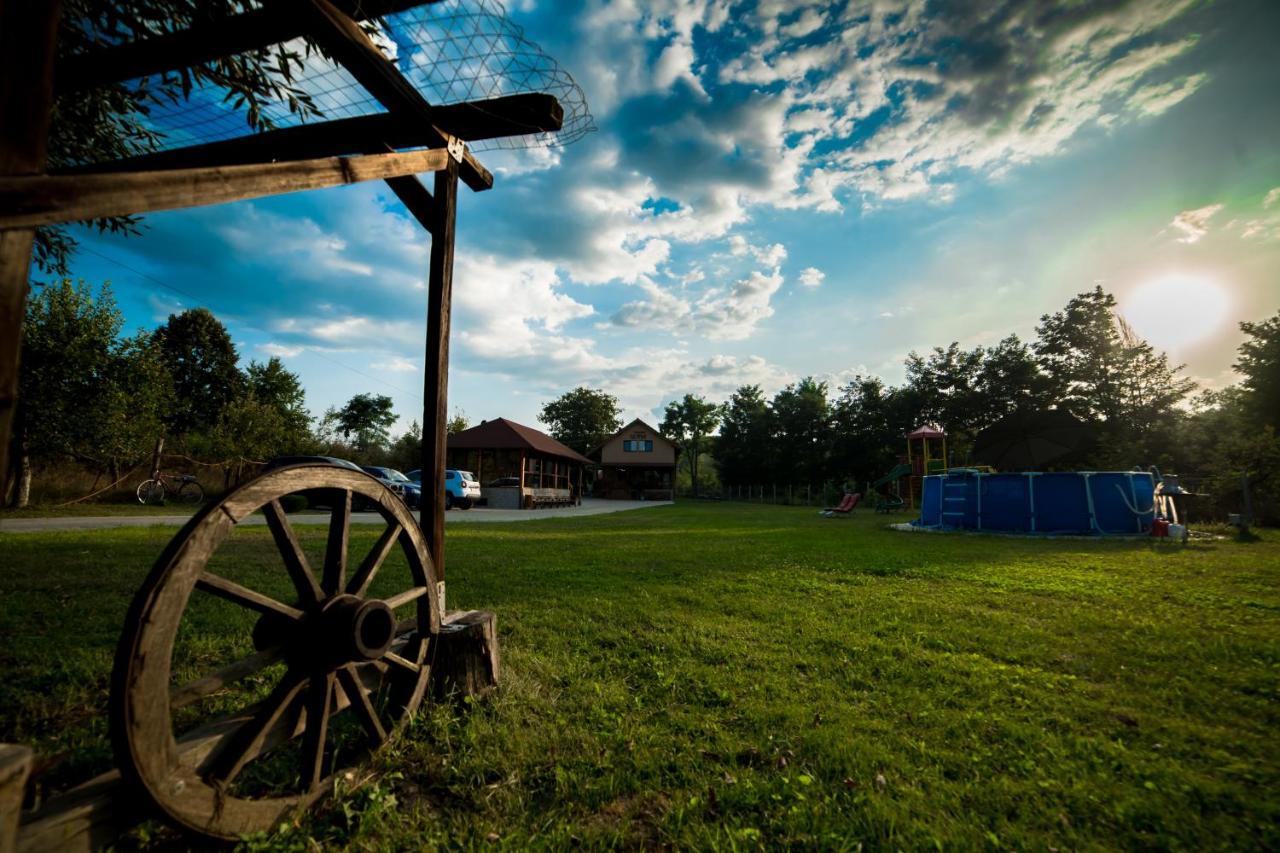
[
  {"x": 402, "y": 662},
  {"x": 295, "y": 562},
  {"x": 319, "y": 705},
  {"x": 245, "y": 597},
  {"x": 359, "y": 700},
  {"x": 373, "y": 561},
  {"x": 193, "y": 691},
  {"x": 402, "y": 598},
  {"x": 335, "y": 552},
  {"x": 246, "y": 743}
]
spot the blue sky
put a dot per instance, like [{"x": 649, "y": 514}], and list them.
[{"x": 777, "y": 190}]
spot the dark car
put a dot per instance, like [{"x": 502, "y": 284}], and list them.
[
  {"x": 503, "y": 483},
  {"x": 315, "y": 498},
  {"x": 410, "y": 491},
  {"x": 282, "y": 461}
]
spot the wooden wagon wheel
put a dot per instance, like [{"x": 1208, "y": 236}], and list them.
[{"x": 340, "y": 649}]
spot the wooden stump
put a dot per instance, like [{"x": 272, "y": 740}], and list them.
[
  {"x": 467, "y": 661},
  {"x": 15, "y": 764}
]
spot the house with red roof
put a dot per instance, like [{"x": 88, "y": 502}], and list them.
[{"x": 518, "y": 466}]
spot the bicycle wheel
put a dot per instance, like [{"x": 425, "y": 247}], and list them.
[
  {"x": 190, "y": 493},
  {"x": 150, "y": 492}
]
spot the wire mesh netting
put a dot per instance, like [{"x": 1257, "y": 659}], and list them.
[{"x": 453, "y": 51}]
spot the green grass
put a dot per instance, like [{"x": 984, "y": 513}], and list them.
[{"x": 738, "y": 676}]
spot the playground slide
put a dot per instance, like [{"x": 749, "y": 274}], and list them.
[{"x": 898, "y": 472}]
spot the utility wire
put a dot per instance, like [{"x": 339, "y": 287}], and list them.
[{"x": 416, "y": 395}]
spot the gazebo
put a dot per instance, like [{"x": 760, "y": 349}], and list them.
[{"x": 518, "y": 466}]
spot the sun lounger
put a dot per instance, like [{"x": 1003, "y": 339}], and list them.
[{"x": 844, "y": 509}]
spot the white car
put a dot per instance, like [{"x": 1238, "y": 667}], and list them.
[{"x": 461, "y": 489}]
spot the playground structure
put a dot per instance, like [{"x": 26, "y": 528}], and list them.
[
  {"x": 926, "y": 454},
  {"x": 351, "y": 650}
]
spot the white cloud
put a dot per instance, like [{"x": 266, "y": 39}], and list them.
[
  {"x": 395, "y": 364},
  {"x": 1272, "y": 197},
  {"x": 1194, "y": 224},
  {"x": 811, "y": 277},
  {"x": 1156, "y": 99},
  {"x": 281, "y": 350}
]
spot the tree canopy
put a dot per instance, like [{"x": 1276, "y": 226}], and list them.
[
  {"x": 201, "y": 358},
  {"x": 367, "y": 418},
  {"x": 582, "y": 418},
  {"x": 688, "y": 422}
]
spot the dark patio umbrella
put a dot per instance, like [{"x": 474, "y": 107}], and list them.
[{"x": 1030, "y": 440}]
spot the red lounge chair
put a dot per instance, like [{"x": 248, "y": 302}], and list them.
[{"x": 845, "y": 509}]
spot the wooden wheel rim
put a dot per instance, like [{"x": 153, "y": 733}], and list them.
[{"x": 141, "y": 713}]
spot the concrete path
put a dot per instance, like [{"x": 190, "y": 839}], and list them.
[{"x": 589, "y": 506}]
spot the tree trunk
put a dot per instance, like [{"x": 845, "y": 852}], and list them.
[{"x": 22, "y": 489}]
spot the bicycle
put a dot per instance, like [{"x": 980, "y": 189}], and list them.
[{"x": 182, "y": 487}]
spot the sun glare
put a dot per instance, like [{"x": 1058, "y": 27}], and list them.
[{"x": 1176, "y": 310}]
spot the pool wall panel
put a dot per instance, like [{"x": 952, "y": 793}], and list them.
[{"x": 1084, "y": 502}]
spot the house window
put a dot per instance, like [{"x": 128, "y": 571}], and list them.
[{"x": 632, "y": 445}]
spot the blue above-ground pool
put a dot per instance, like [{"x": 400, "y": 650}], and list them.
[{"x": 1078, "y": 502}]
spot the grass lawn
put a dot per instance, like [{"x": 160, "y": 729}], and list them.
[{"x": 738, "y": 676}]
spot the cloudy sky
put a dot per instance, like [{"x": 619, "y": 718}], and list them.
[{"x": 779, "y": 189}]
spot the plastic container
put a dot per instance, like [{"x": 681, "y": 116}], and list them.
[
  {"x": 1178, "y": 531},
  {"x": 1160, "y": 527}
]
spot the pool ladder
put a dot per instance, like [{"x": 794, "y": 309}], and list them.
[{"x": 955, "y": 501}]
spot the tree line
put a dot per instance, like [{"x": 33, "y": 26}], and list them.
[
  {"x": 1085, "y": 359},
  {"x": 92, "y": 396}
]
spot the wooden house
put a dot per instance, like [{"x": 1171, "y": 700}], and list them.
[{"x": 635, "y": 463}]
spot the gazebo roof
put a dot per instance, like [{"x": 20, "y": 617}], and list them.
[
  {"x": 927, "y": 431},
  {"x": 502, "y": 434}
]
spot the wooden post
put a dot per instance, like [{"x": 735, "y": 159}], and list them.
[
  {"x": 435, "y": 392},
  {"x": 15, "y": 765},
  {"x": 28, "y": 34},
  {"x": 1246, "y": 505},
  {"x": 155, "y": 456}
]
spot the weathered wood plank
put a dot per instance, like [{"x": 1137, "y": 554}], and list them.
[
  {"x": 202, "y": 43},
  {"x": 15, "y": 766},
  {"x": 28, "y": 34},
  {"x": 435, "y": 390},
  {"x": 510, "y": 115},
  {"x": 29, "y": 201},
  {"x": 348, "y": 44}
]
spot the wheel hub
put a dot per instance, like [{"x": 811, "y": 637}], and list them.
[{"x": 340, "y": 630}]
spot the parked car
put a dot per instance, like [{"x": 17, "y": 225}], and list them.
[
  {"x": 415, "y": 475},
  {"x": 460, "y": 489},
  {"x": 503, "y": 483},
  {"x": 282, "y": 461},
  {"x": 408, "y": 490}
]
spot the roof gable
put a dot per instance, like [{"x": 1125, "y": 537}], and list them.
[
  {"x": 503, "y": 434},
  {"x": 594, "y": 453}
]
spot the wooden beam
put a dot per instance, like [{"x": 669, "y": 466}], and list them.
[
  {"x": 435, "y": 388},
  {"x": 343, "y": 39},
  {"x": 28, "y": 37},
  {"x": 202, "y": 42},
  {"x": 507, "y": 116},
  {"x": 417, "y": 200},
  {"x": 44, "y": 200}
]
